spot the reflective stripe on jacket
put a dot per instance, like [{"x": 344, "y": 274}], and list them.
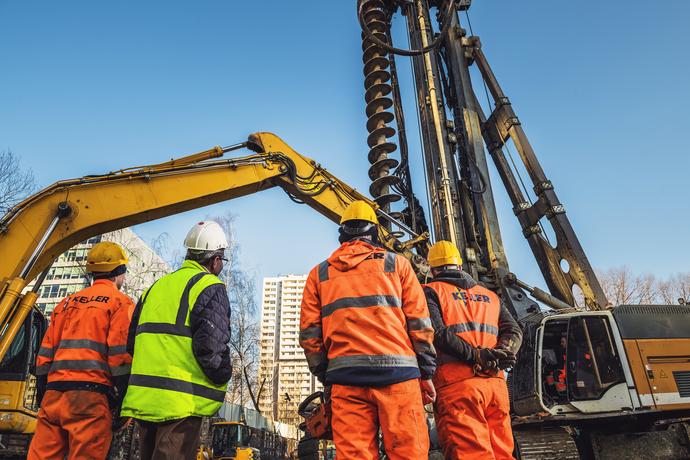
[
  {"x": 364, "y": 319},
  {"x": 87, "y": 336},
  {"x": 472, "y": 315},
  {"x": 167, "y": 382}
]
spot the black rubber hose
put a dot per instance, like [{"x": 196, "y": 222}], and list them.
[{"x": 434, "y": 44}]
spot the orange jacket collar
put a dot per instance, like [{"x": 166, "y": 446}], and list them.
[
  {"x": 351, "y": 254},
  {"x": 104, "y": 281}
]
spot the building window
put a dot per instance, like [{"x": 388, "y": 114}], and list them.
[
  {"x": 76, "y": 272},
  {"x": 54, "y": 290}
]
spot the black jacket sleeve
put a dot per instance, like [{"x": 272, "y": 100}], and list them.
[
  {"x": 210, "y": 324},
  {"x": 444, "y": 339},
  {"x": 509, "y": 332}
]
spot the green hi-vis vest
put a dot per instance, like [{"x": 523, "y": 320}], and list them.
[{"x": 166, "y": 382}]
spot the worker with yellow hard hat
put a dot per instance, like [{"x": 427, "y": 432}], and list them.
[
  {"x": 366, "y": 333},
  {"x": 82, "y": 365},
  {"x": 477, "y": 339}
]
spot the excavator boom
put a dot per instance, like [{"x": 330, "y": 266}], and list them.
[{"x": 38, "y": 230}]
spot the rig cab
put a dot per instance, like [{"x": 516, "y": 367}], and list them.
[{"x": 607, "y": 374}]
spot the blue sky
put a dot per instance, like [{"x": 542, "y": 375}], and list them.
[{"x": 600, "y": 87}]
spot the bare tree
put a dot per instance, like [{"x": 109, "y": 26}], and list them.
[
  {"x": 15, "y": 183},
  {"x": 244, "y": 339},
  {"x": 145, "y": 264},
  {"x": 675, "y": 289},
  {"x": 622, "y": 286}
]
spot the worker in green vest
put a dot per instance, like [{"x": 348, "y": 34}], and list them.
[{"x": 178, "y": 340}]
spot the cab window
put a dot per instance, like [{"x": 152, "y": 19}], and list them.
[{"x": 593, "y": 363}]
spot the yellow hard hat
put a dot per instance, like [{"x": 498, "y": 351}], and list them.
[
  {"x": 444, "y": 253},
  {"x": 359, "y": 210},
  {"x": 105, "y": 257}
]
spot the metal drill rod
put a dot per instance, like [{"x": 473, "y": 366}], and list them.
[
  {"x": 232, "y": 147},
  {"x": 538, "y": 294},
  {"x": 40, "y": 279},
  {"x": 396, "y": 222},
  {"x": 62, "y": 211}
]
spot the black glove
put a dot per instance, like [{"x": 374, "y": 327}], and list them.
[
  {"x": 491, "y": 360},
  {"x": 506, "y": 360},
  {"x": 509, "y": 343},
  {"x": 486, "y": 359},
  {"x": 117, "y": 393},
  {"x": 320, "y": 372}
]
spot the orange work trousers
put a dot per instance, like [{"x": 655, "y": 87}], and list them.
[
  {"x": 397, "y": 409},
  {"x": 473, "y": 419},
  {"x": 74, "y": 425}
]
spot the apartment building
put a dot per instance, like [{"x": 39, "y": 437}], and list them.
[
  {"x": 283, "y": 368},
  {"x": 68, "y": 273}
]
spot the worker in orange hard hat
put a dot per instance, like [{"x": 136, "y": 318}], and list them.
[
  {"x": 476, "y": 338},
  {"x": 82, "y": 365},
  {"x": 366, "y": 332}
]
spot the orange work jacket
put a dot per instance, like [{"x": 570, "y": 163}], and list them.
[
  {"x": 87, "y": 337},
  {"x": 364, "y": 319},
  {"x": 471, "y": 314}
]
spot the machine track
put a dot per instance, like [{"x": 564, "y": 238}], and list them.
[{"x": 552, "y": 443}]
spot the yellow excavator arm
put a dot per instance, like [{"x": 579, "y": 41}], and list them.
[{"x": 38, "y": 230}]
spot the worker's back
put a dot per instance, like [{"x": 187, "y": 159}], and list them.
[
  {"x": 360, "y": 289},
  {"x": 86, "y": 338},
  {"x": 471, "y": 312},
  {"x": 83, "y": 365},
  {"x": 167, "y": 381}
]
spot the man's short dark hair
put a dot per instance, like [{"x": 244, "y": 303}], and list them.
[
  {"x": 117, "y": 271},
  {"x": 203, "y": 257}
]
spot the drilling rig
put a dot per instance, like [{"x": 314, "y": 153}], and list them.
[
  {"x": 456, "y": 135},
  {"x": 601, "y": 409}
]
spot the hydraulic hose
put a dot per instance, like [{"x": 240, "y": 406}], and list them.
[{"x": 402, "y": 52}]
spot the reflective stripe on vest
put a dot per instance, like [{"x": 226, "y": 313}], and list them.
[
  {"x": 81, "y": 364},
  {"x": 75, "y": 347},
  {"x": 471, "y": 314},
  {"x": 372, "y": 361},
  {"x": 167, "y": 383}
]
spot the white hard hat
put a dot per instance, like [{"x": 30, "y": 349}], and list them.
[{"x": 206, "y": 236}]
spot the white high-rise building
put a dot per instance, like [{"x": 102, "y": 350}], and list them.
[
  {"x": 68, "y": 273},
  {"x": 283, "y": 368}
]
